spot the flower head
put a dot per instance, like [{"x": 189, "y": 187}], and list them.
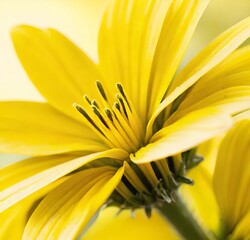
[{"x": 134, "y": 127}]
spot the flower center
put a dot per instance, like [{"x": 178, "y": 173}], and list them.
[
  {"x": 116, "y": 122},
  {"x": 114, "y": 118}
]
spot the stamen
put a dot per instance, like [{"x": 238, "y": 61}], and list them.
[
  {"x": 99, "y": 115},
  {"x": 117, "y": 124},
  {"x": 133, "y": 119},
  {"x": 84, "y": 113},
  {"x": 122, "y": 104},
  {"x": 125, "y": 126},
  {"x": 116, "y": 104},
  {"x": 94, "y": 103},
  {"x": 109, "y": 114},
  {"x": 87, "y": 99},
  {"x": 101, "y": 90},
  {"x": 120, "y": 88}
]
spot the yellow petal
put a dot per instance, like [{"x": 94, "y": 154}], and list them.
[
  {"x": 66, "y": 210},
  {"x": 208, "y": 58},
  {"x": 184, "y": 134},
  {"x": 34, "y": 128},
  {"x": 220, "y": 84},
  {"x": 179, "y": 25},
  {"x": 13, "y": 220},
  {"x": 242, "y": 230},
  {"x": 201, "y": 200},
  {"x": 127, "y": 28},
  {"x": 209, "y": 150},
  {"x": 127, "y": 43},
  {"x": 123, "y": 226},
  {"x": 59, "y": 69},
  {"x": 22, "y": 170},
  {"x": 213, "y": 54},
  {"x": 235, "y": 65},
  {"x": 24, "y": 188},
  {"x": 88, "y": 206},
  {"x": 231, "y": 100},
  {"x": 231, "y": 178}
]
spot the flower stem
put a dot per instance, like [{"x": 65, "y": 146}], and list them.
[{"x": 179, "y": 216}]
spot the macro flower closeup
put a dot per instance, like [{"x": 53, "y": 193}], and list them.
[{"x": 124, "y": 131}]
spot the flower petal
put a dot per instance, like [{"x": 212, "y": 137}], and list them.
[
  {"x": 123, "y": 226},
  {"x": 24, "y": 188},
  {"x": 208, "y": 58},
  {"x": 231, "y": 178},
  {"x": 24, "y": 169},
  {"x": 33, "y": 128},
  {"x": 67, "y": 209},
  {"x": 78, "y": 221},
  {"x": 231, "y": 100},
  {"x": 209, "y": 150},
  {"x": 127, "y": 42},
  {"x": 227, "y": 84},
  {"x": 179, "y": 25},
  {"x": 186, "y": 133},
  {"x": 242, "y": 230},
  {"x": 213, "y": 54},
  {"x": 59, "y": 69},
  {"x": 200, "y": 197},
  {"x": 17, "y": 216}
]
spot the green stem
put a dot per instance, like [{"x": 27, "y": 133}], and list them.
[{"x": 180, "y": 217}]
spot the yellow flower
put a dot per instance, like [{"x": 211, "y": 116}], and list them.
[
  {"x": 138, "y": 121},
  {"x": 225, "y": 191}
]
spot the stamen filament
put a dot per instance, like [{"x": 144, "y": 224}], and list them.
[
  {"x": 123, "y": 108},
  {"x": 92, "y": 125},
  {"x": 119, "y": 136},
  {"x": 125, "y": 126},
  {"x": 132, "y": 114},
  {"x": 99, "y": 115},
  {"x": 120, "y": 88},
  {"x": 121, "y": 132},
  {"x": 109, "y": 135}
]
